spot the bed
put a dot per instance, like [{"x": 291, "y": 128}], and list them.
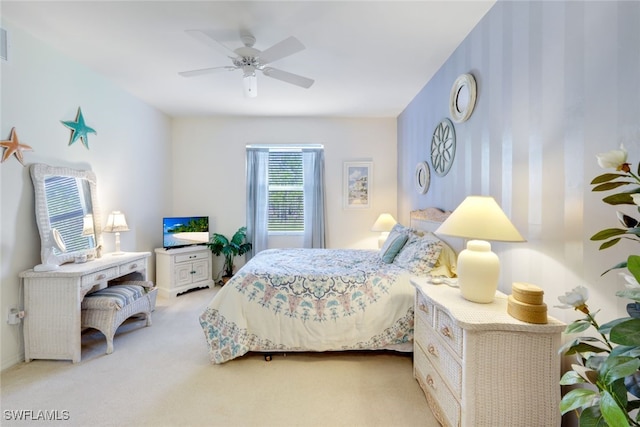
[{"x": 294, "y": 300}]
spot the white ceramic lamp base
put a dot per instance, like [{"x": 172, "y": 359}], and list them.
[
  {"x": 383, "y": 238},
  {"x": 478, "y": 272}
]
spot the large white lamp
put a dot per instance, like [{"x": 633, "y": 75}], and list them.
[
  {"x": 383, "y": 224},
  {"x": 116, "y": 222},
  {"x": 479, "y": 218}
]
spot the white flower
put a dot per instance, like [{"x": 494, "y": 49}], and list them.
[
  {"x": 576, "y": 298},
  {"x": 636, "y": 199},
  {"x": 613, "y": 159},
  {"x": 631, "y": 281}
]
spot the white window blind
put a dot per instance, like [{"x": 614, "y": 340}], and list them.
[
  {"x": 286, "y": 191},
  {"x": 66, "y": 212}
]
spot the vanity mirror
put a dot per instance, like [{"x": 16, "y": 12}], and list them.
[{"x": 66, "y": 205}]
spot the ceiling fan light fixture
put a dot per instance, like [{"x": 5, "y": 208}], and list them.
[
  {"x": 250, "y": 85},
  {"x": 249, "y": 59}
]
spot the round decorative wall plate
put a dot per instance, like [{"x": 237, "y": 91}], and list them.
[
  {"x": 463, "y": 98},
  {"x": 423, "y": 177},
  {"x": 443, "y": 147}
]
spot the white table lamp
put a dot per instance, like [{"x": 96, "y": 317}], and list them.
[
  {"x": 383, "y": 224},
  {"x": 116, "y": 222},
  {"x": 479, "y": 218}
]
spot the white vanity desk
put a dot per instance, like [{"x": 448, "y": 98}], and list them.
[{"x": 52, "y": 302}]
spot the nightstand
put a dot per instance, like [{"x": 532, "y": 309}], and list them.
[{"x": 478, "y": 366}]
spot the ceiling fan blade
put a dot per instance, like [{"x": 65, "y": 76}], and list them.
[
  {"x": 209, "y": 40},
  {"x": 286, "y": 47},
  {"x": 202, "y": 71},
  {"x": 288, "y": 77}
]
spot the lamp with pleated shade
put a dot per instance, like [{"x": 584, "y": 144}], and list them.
[{"x": 116, "y": 222}]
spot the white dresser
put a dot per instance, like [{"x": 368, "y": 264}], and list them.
[
  {"x": 52, "y": 302},
  {"x": 181, "y": 269},
  {"x": 480, "y": 367}
]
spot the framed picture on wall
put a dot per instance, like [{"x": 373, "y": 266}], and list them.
[{"x": 357, "y": 181}]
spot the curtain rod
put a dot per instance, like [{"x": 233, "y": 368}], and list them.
[{"x": 285, "y": 146}]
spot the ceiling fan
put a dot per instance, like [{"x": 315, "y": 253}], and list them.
[{"x": 249, "y": 60}]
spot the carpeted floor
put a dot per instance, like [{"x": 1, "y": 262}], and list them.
[{"x": 161, "y": 376}]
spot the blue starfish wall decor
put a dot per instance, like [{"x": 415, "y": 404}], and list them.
[
  {"x": 79, "y": 129},
  {"x": 13, "y": 146}
]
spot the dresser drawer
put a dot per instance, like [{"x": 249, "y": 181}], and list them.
[
  {"x": 135, "y": 265},
  {"x": 193, "y": 256},
  {"x": 424, "y": 308},
  {"x": 444, "y": 405},
  {"x": 439, "y": 355},
  {"x": 451, "y": 333},
  {"x": 92, "y": 279}
]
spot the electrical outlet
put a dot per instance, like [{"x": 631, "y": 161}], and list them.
[{"x": 14, "y": 316}]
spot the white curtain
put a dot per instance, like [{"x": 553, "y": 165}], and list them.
[{"x": 258, "y": 195}]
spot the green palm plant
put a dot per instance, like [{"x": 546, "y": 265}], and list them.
[{"x": 221, "y": 245}]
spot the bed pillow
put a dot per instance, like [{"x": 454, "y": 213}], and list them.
[
  {"x": 392, "y": 246},
  {"x": 411, "y": 232},
  {"x": 419, "y": 255},
  {"x": 446, "y": 265}
]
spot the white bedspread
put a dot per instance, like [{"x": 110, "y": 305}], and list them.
[{"x": 310, "y": 300}]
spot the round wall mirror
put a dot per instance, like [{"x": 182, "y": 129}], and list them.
[
  {"x": 423, "y": 177},
  {"x": 463, "y": 98}
]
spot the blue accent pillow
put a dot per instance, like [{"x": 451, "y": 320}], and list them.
[{"x": 392, "y": 246}]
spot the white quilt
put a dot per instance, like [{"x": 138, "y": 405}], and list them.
[{"x": 310, "y": 300}]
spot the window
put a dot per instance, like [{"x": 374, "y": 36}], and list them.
[
  {"x": 285, "y": 191},
  {"x": 285, "y": 195}
]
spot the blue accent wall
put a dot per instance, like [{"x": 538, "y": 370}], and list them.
[{"x": 558, "y": 82}]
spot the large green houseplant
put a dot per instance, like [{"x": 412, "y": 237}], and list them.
[{"x": 221, "y": 245}]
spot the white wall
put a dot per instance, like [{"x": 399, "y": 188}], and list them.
[
  {"x": 209, "y": 162},
  {"x": 130, "y": 155},
  {"x": 557, "y": 84}
]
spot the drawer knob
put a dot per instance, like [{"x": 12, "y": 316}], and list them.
[
  {"x": 101, "y": 276},
  {"x": 432, "y": 350},
  {"x": 133, "y": 266},
  {"x": 430, "y": 382},
  {"x": 446, "y": 332},
  {"x": 423, "y": 307}
]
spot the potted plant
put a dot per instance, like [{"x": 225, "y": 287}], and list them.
[
  {"x": 608, "y": 362},
  {"x": 219, "y": 244}
]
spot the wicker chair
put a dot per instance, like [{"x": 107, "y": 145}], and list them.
[{"x": 106, "y": 309}]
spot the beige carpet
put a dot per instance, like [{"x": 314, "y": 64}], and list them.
[{"x": 161, "y": 376}]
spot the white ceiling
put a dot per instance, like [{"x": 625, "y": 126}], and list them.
[{"x": 368, "y": 58}]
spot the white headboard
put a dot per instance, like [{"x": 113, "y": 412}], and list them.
[{"x": 429, "y": 219}]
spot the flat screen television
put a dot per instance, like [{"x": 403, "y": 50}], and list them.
[{"x": 184, "y": 231}]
